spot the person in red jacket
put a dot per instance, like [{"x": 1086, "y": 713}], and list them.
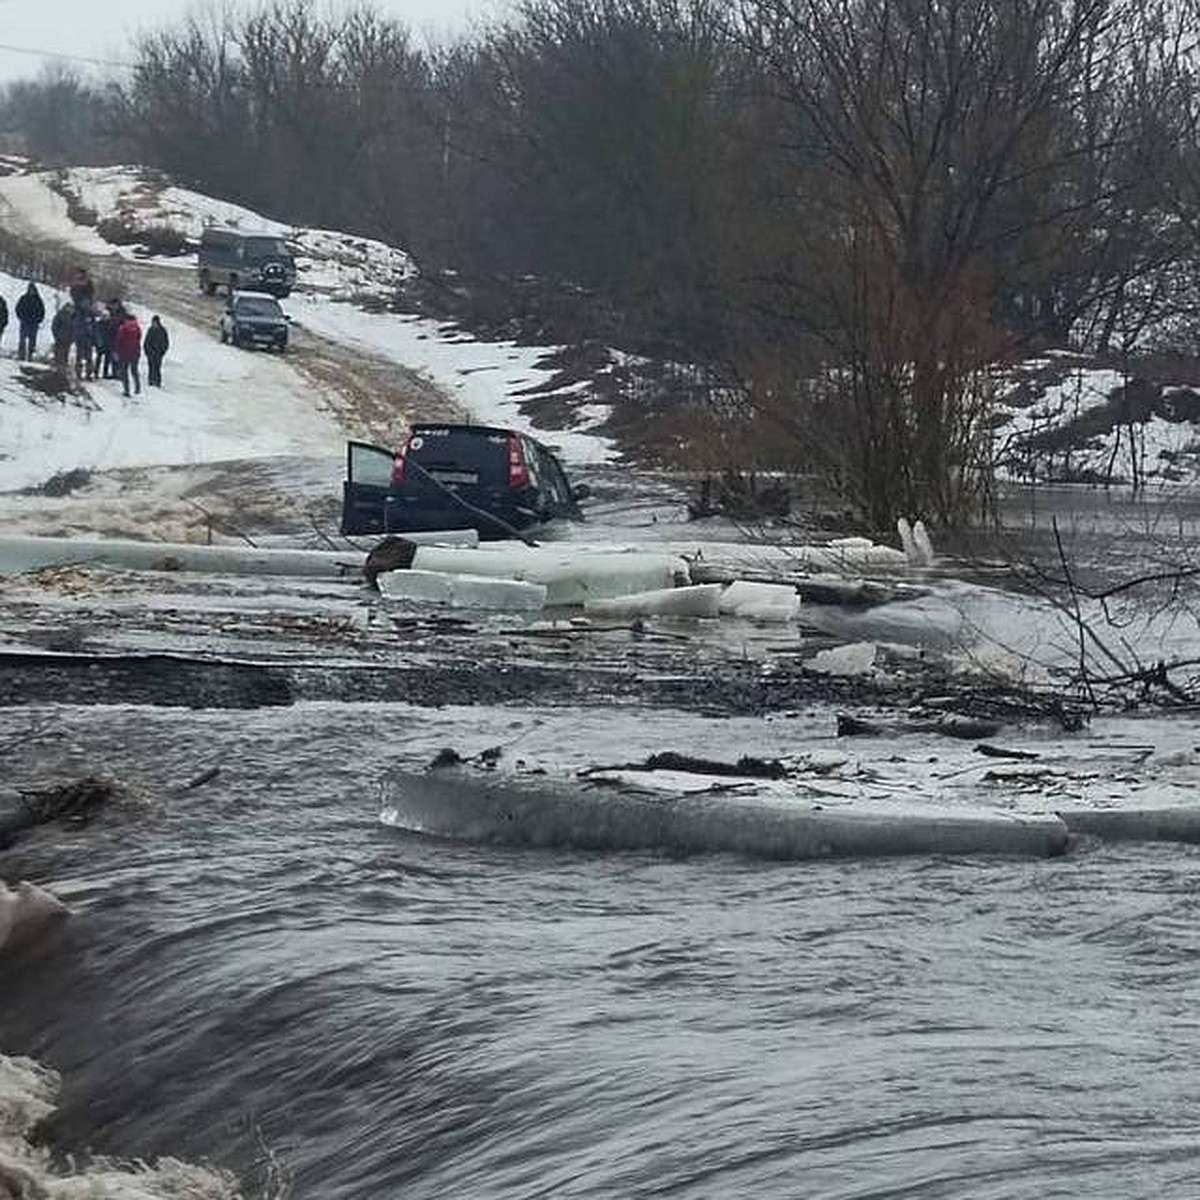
[{"x": 128, "y": 347}]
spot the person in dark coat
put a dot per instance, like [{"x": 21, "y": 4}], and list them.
[
  {"x": 3, "y": 317},
  {"x": 83, "y": 290},
  {"x": 105, "y": 332},
  {"x": 31, "y": 312},
  {"x": 128, "y": 345},
  {"x": 62, "y": 331},
  {"x": 83, "y": 333},
  {"x": 156, "y": 345}
]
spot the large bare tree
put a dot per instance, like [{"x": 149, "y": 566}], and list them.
[{"x": 941, "y": 147}]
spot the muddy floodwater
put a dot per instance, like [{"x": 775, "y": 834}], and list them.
[
  {"x": 267, "y": 972},
  {"x": 260, "y": 969}
]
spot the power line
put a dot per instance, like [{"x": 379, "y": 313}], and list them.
[{"x": 33, "y": 52}]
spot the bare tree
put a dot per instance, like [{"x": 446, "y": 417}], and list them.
[{"x": 935, "y": 141}]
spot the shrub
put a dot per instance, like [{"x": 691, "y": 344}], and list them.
[{"x": 165, "y": 240}]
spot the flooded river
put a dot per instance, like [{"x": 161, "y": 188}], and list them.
[{"x": 262, "y": 974}]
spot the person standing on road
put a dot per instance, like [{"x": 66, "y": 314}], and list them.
[
  {"x": 156, "y": 345},
  {"x": 128, "y": 345},
  {"x": 83, "y": 332},
  {"x": 62, "y": 333},
  {"x": 106, "y": 331},
  {"x": 31, "y": 312},
  {"x": 3, "y": 317},
  {"x": 83, "y": 290}
]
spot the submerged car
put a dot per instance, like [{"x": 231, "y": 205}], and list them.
[
  {"x": 253, "y": 319},
  {"x": 499, "y": 482}
]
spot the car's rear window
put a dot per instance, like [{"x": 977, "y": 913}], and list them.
[
  {"x": 484, "y": 452},
  {"x": 258, "y": 306}
]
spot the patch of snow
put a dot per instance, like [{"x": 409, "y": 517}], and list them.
[
  {"x": 416, "y": 587},
  {"x": 1153, "y": 450},
  {"x": 855, "y": 658},
  {"x": 46, "y": 211},
  {"x": 216, "y": 402},
  {"x": 486, "y": 378},
  {"x": 760, "y": 601}
]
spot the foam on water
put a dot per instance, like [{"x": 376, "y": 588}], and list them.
[{"x": 28, "y": 1092}]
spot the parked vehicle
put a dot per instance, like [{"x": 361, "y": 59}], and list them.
[
  {"x": 233, "y": 259},
  {"x": 497, "y": 481},
  {"x": 253, "y": 319}
]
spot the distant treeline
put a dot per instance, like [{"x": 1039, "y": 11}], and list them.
[{"x": 845, "y": 212}]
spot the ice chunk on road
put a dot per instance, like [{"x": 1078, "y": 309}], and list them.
[
  {"x": 857, "y": 658},
  {"x": 760, "y": 601},
  {"x": 572, "y": 576},
  {"x": 461, "y": 591},
  {"x": 697, "y": 600}
]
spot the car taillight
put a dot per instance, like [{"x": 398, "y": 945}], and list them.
[
  {"x": 518, "y": 472},
  {"x": 398, "y": 467}
]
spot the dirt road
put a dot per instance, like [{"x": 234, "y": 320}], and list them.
[{"x": 369, "y": 396}]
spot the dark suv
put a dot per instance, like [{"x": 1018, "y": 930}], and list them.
[
  {"x": 497, "y": 481},
  {"x": 252, "y": 319},
  {"x": 232, "y": 259}
]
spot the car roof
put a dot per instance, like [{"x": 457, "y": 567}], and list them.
[
  {"x": 482, "y": 430},
  {"x": 424, "y": 427},
  {"x": 251, "y": 294}
]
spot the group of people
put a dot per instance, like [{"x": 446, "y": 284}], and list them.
[{"x": 107, "y": 339}]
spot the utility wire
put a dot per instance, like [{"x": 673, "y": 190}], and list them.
[{"x": 123, "y": 64}]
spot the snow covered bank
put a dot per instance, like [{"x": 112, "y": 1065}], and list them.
[
  {"x": 28, "y": 1092},
  {"x": 135, "y": 201},
  {"x": 216, "y": 403},
  {"x": 1067, "y": 419},
  {"x": 488, "y": 379}
]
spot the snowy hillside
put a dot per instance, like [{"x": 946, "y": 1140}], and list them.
[
  {"x": 219, "y": 404},
  {"x": 136, "y": 202},
  {"x": 1069, "y": 420}
]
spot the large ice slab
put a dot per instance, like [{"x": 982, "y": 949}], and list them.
[
  {"x": 770, "y": 823},
  {"x": 697, "y": 600},
  {"x": 19, "y": 554},
  {"x": 572, "y": 576},
  {"x": 760, "y": 601},
  {"x": 461, "y": 591},
  {"x": 839, "y": 555}
]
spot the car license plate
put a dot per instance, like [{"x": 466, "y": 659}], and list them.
[{"x": 455, "y": 476}]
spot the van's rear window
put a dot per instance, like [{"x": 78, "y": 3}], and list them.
[{"x": 262, "y": 247}]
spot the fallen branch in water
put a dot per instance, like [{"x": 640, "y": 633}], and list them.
[
  {"x": 206, "y": 776},
  {"x": 670, "y": 760},
  {"x": 74, "y": 803},
  {"x": 991, "y": 751},
  {"x": 963, "y": 728}
]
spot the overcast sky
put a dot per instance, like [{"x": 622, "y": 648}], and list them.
[{"x": 77, "y": 30}]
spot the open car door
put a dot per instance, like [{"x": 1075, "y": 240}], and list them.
[{"x": 368, "y": 474}]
